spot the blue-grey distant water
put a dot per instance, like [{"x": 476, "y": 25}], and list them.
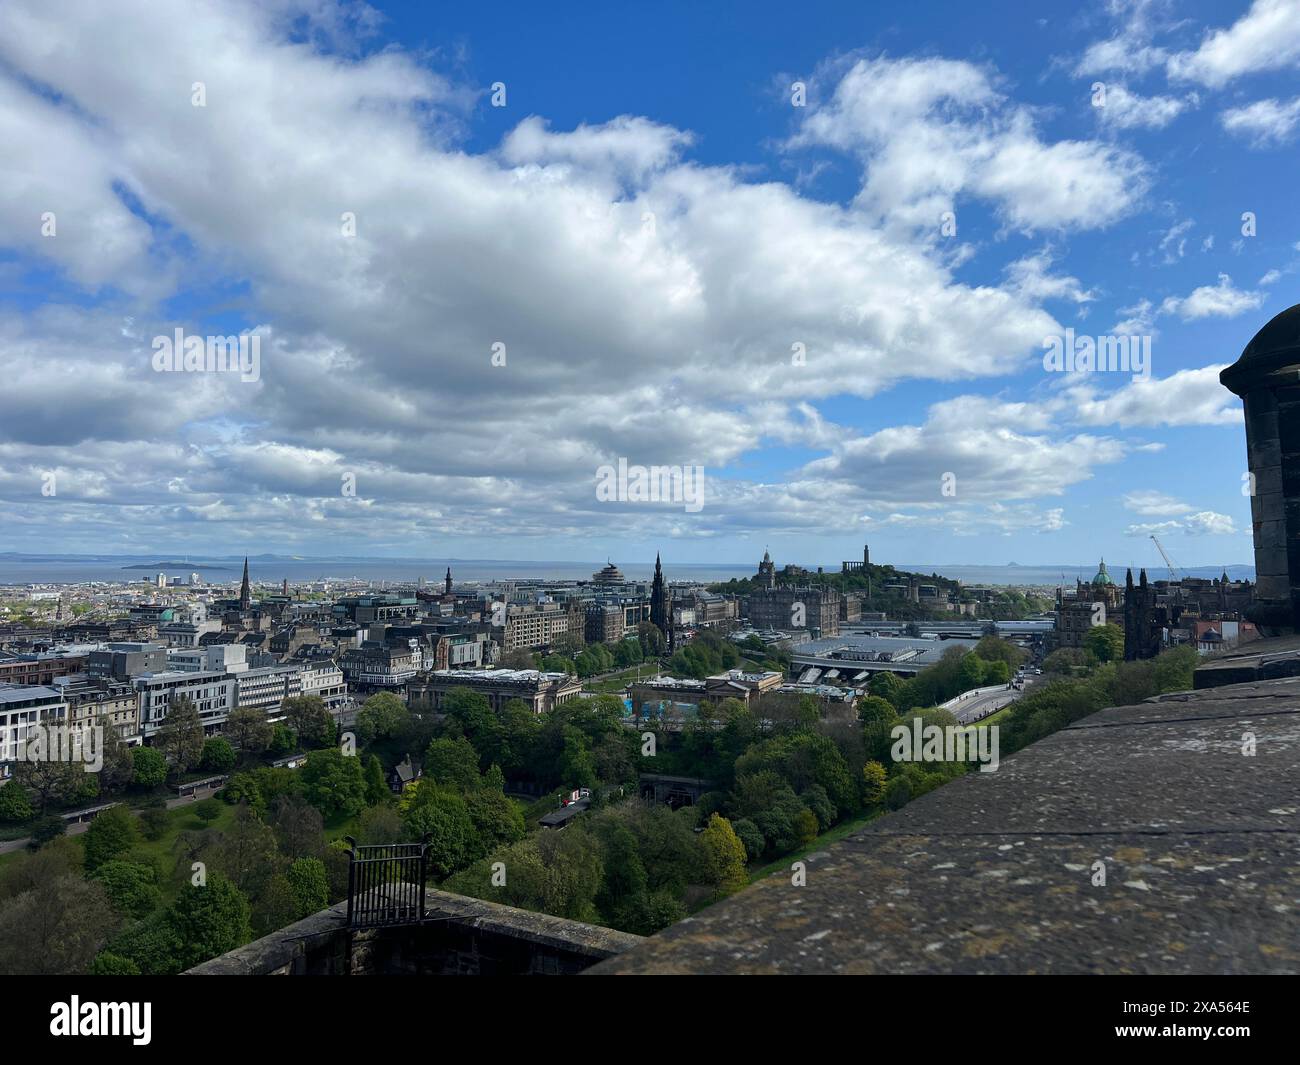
[{"x": 67, "y": 571}]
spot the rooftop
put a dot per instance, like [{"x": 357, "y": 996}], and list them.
[
  {"x": 504, "y": 676},
  {"x": 994, "y": 872}
]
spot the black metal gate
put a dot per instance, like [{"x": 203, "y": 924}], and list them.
[{"x": 386, "y": 883}]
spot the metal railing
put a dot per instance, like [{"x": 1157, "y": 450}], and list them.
[{"x": 386, "y": 883}]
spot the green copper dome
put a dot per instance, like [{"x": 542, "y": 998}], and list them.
[{"x": 1102, "y": 576}]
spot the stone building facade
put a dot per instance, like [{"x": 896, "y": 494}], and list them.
[{"x": 1267, "y": 378}]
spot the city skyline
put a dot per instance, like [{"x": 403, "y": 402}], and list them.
[{"x": 822, "y": 275}]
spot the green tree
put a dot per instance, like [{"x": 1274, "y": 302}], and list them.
[
  {"x": 805, "y": 826},
  {"x": 724, "y": 856},
  {"x": 310, "y": 721},
  {"x": 298, "y": 827},
  {"x": 56, "y": 929},
  {"x": 971, "y": 673},
  {"x": 132, "y": 888},
  {"x": 180, "y": 739},
  {"x": 442, "y": 817},
  {"x": 46, "y": 828},
  {"x": 996, "y": 649},
  {"x": 873, "y": 709},
  {"x": 282, "y": 742},
  {"x": 115, "y": 772},
  {"x": 884, "y": 685},
  {"x": 106, "y": 963},
  {"x": 376, "y": 786},
  {"x": 218, "y": 756},
  {"x": 310, "y": 886},
  {"x": 207, "y": 809},
  {"x": 110, "y": 835},
  {"x": 382, "y": 717},
  {"x": 334, "y": 783},
  {"x": 452, "y": 763},
  {"x": 497, "y": 820},
  {"x": 51, "y": 782},
  {"x": 15, "y": 805},
  {"x": 873, "y": 783},
  {"x": 148, "y": 768},
  {"x": 748, "y": 834},
  {"x": 247, "y": 854},
  {"x": 249, "y": 730},
  {"x": 997, "y": 673},
  {"x": 380, "y": 824},
  {"x": 209, "y": 920},
  {"x": 1106, "y": 642},
  {"x": 1065, "y": 660}
]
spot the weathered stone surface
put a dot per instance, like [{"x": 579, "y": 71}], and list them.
[
  {"x": 460, "y": 936},
  {"x": 1255, "y": 661},
  {"x": 994, "y": 872}
]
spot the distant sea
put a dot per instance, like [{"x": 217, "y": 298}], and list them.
[{"x": 19, "y": 569}]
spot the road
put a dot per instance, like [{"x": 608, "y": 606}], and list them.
[{"x": 980, "y": 706}]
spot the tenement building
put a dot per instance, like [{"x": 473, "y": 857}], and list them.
[
  {"x": 1098, "y": 602},
  {"x": 814, "y": 609}
]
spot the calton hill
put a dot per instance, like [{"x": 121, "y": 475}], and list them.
[
  {"x": 156, "y": 887},
  {"x": 872, "y": 584}
]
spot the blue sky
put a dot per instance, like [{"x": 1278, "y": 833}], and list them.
[{"x": 649, "y": 225}]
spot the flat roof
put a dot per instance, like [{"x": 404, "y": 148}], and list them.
[
  {"x": 15, "y": 693},
  {"x": 515, "y": 675}
]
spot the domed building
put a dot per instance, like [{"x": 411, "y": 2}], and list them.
[
  {"x": 1077, "y": 613},
  {"x": 1267, "y": 378},
  {"x": 1101, "y": 589}
]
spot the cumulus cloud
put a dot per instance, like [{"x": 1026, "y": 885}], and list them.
[
  {"x": 1187, "y": 397},
  {"x": 964, "y": 452},
  {"x": 1267, "y": 37},
  {"x": 643, "y": 305},
  {"x": 1202, "y": 523},
  {"x": 929, "y": 131},
  {"x": 1212, "y": 301}
]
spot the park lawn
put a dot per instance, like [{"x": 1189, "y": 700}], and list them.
[
  {"x": 615, "y": 683},
  {"x": 338, "y": 826},
  {"x": 162, "y": 852}
]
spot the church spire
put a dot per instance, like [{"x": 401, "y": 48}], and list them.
[{"x": 245, "y": 593}]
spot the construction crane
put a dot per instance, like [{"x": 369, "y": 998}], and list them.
[{"x": 1174, "y": 575}]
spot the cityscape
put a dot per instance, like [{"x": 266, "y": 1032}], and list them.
[{"x": 724, "y": 490}]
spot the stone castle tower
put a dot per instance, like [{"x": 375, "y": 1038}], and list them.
[{"x": 1267, "y": 378}]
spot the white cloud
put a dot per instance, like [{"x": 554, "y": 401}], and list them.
[
  {"x": 1265, "y": 122},
  {"x": 1152, "y": 502},
  {"x": 1032, "y": 278},
  {"x": 628, "y": 147},
  {"x": 1267, "y": 37},
  {"x": 1130, "y": 48},
  {"x": 1212, "y": 301},
  {"x": 1188, "y": 397},
  {"x": 1202, "y": 523},
  {"x": 993, "y": 452},
  {"x": 1124, "y": 109},
  {"x": 929, "y": 131}
]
